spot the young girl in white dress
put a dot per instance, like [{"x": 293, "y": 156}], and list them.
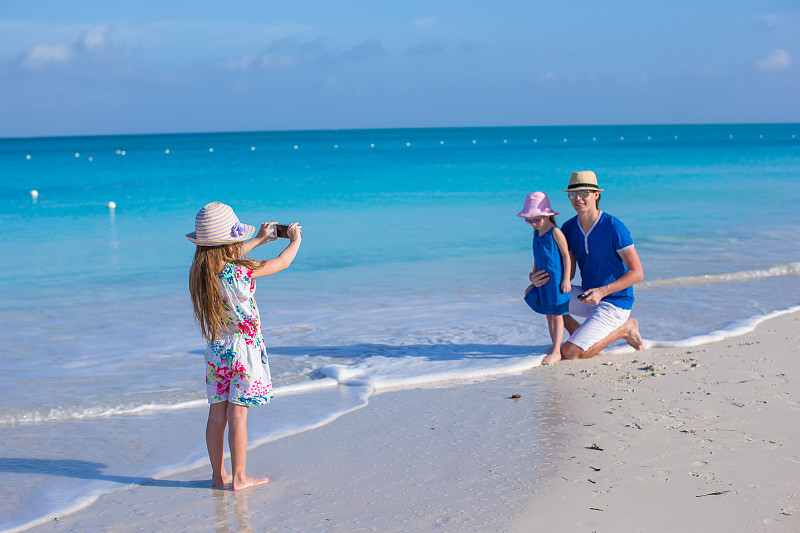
[{"x": 222, "y": 284}]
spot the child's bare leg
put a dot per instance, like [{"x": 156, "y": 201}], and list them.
[
  {"x": 215, "y": 441},
  {"x": 555, "y": 323},
  {"x": 237, "y": 440}
]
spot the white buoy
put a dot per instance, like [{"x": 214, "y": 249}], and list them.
[
  {"x": 730, "y": 136},
  {"x": 166, "y": 151},
  {"x": 505, "y": 141},
  {"x": 91, "y": 158},
  {"x": 622, "y": 138},
  {"x": 676, "y": 137},
  {"x": 34, "y": 194},
  {"x": 336, "y": 146},
  {"x": 119, "y": 152},
  {"x": 408, "y": 144},
  {"x": 122, "y": 152},
  {"x": 442, "y": 142},
  {"x": 536, "y": 140},
  {"x": 594, "y": 138},
  {"x": 372, "y": 146},
  {"x": 77, "y": 154},
  {"x": 296, "y": 147},
  {"x": 210, "y": 149},
  {"x": 649, "y": 138},
  {"x": 760, "y": 136},
  {"x": 474, "y": 141},
  {"x": 28, "y": 156},
  {"x": 565, "y": 140},
  {"x": 252, "y": 148},
  {"x": 112, "y": 205}
]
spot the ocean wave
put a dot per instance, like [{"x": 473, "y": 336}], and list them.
[
  {"x": 380, "y": 373},
  {"x": 734, "y": 329},
  {"x": 102, "y": 411},
  {"x": 83, "y": 412},
  {"x": 791, "y": 269}
]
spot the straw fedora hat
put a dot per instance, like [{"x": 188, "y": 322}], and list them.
[
  {"x": 583, "y": 180},
  {"x": 537, "y": 204},
  {"x": 217, "y": 224}
]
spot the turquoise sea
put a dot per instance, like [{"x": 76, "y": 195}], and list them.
[{"x": 411, "y": 271}]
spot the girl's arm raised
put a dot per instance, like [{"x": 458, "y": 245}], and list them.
[
  {"x": 285, "y": 258},
  {"x": 566, "y": 260},
  {"x": 263, "y": 236}
]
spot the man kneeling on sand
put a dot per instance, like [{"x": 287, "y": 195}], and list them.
[{"x": 603, "y": 249}]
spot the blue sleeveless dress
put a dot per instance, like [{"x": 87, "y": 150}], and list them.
[{"x": 548, "y": 299}]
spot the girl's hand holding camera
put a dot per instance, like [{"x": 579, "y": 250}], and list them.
[
  {"x": 295, "y": 231},
  {"x": 266, "y": 233}
]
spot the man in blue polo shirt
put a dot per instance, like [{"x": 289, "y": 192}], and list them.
[{"x": 602, "y": 247}]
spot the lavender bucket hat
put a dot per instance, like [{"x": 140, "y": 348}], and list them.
[
  {"x": 537, "y": 204},
  {"x": 217, "y": 224}
]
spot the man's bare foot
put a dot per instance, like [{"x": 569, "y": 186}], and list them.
[
  {"x": 249, "y": 482},
  {"x": 552, "y": 358},
  {"x": 633, "y": 337}
]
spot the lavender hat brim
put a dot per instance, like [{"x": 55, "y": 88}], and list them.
[
  {"x": 217, "y": 224},
  {"x": 249, "y": 231}
]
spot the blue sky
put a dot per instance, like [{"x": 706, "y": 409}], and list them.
[{"x": 96, "y": 67}]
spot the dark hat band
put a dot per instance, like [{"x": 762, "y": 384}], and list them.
[{"x": 583, "y": 185}]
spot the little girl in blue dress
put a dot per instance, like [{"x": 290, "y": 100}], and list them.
[{"x": 551, "y": 255}]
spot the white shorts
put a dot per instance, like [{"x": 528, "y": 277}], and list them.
[{"x": 601, "y": 320}]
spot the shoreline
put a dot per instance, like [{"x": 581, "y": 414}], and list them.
[{"x": 691, "y": 422}]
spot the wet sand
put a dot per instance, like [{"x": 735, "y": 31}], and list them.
[{"x": 697, "y": 439}]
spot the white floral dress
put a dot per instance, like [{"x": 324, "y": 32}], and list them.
[{"x": 237, "y": 369}]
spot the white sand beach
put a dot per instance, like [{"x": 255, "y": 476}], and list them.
[{"x": 696, "y": 439}]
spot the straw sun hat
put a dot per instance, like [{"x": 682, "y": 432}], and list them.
[
  {"x": 583, "y": 180},
  {"x": 217, "y": 224}
]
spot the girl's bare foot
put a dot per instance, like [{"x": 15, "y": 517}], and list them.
[
  {"x": 633, "y": 337},
  {"x": 552, "y": 358},
  {"x": 222, "y": 483},
  {"x": 249, "y": 482}
]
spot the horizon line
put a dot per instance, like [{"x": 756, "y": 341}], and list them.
[{"x": 407, "y": 128}]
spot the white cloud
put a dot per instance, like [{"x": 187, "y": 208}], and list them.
[
  {"x": 45, "y": 53},
  {"x": 239, "y": 63},
  {"x": 264, "y": 61},
  {"x": 777, "y": 60},
  {"x": 289, "y": 53},
  {"x": 95, "y": 37},
  {"x": 270, "y": 61},
  {"x": 92, "y": 45},
  {"x": 550, "y": 76}
]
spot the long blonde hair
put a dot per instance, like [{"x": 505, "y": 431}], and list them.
[{"x": 204, "y": 284}]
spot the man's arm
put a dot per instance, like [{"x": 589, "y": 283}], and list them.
[{"x": 635, "y": 274}]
